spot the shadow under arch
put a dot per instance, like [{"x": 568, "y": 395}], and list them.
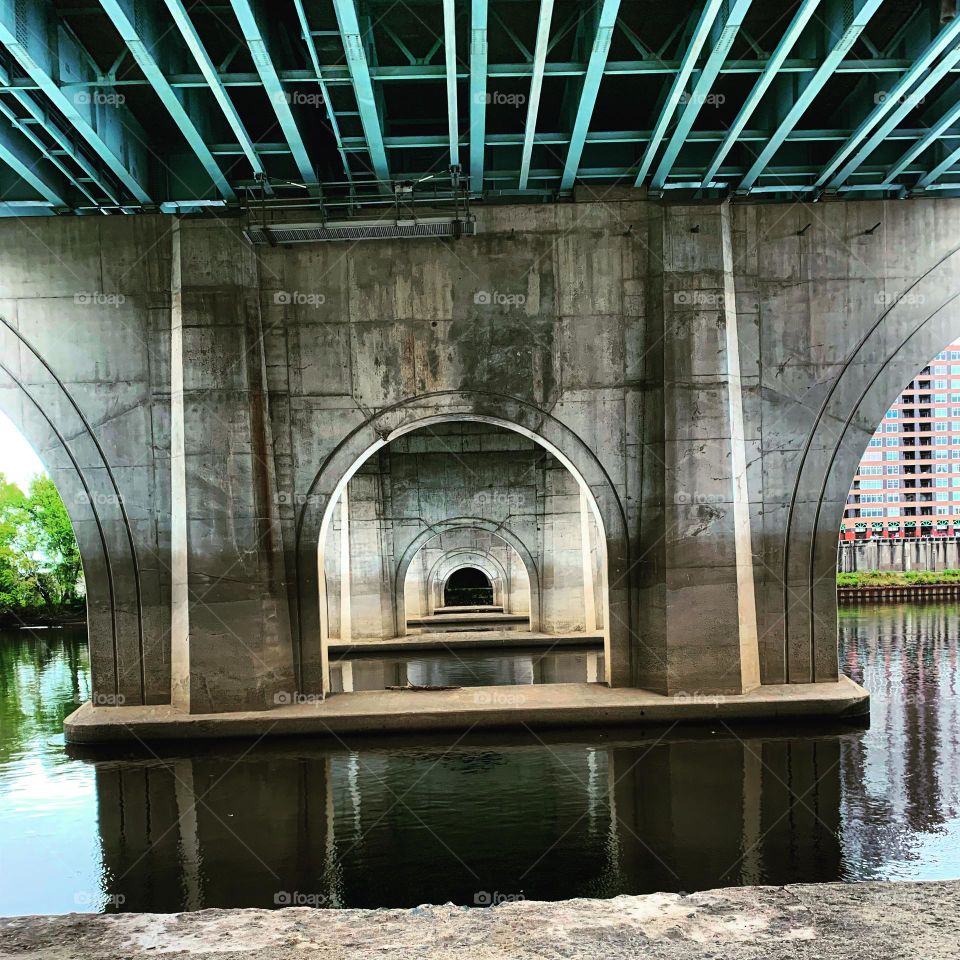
[
  {"x": 467, "y": 558},
  {"x": 426, "y": 410},
  {"x": 479, "y": 523},
  {"x": 921, "y": 320},
  {"x": 91, "y": 496}
]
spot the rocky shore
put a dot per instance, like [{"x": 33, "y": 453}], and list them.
[{"x": 879, "y": 921}]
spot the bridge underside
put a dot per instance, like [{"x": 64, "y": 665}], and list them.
[
  {"x": 119, "y": 106},
  {"x": 638, "y": 420}
]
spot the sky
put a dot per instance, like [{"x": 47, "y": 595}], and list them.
[{"x": 18, "y": 461}]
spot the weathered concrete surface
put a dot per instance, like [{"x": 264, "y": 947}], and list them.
[
  {"x": 467, "y": 708},
  {"x": 712, "y": 374},
  {"x": 879, "y": 921}
]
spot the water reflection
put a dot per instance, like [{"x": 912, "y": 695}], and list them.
[
  {"x": 403, "y": 822},
  {"x": 467, "y": 668}
]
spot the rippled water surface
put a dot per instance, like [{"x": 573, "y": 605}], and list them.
[{"x": 477, "y": 819}]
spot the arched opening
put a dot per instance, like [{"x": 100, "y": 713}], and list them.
[
  {"x": 915, "y": 323},
  {"x": 478, "y": 478},
  {"x": 468, "y": 587}
]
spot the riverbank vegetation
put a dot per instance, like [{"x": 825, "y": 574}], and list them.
[
  {"x": 41, "y": 577},
  {"x": 906, "y": 578}
]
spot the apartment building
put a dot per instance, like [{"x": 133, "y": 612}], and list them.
[{"x": 908, "y": 482}]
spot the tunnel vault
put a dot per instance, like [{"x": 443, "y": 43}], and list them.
[{"x": 709, "y": 374}]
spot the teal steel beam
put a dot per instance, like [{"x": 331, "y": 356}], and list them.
[
  {"x": 450, "y": 55},
  {"x": 929, "y": 138},
  {"x": 948, "y": 163},
  {"x": 536, "y": 85},
  {"x": 736, "y": 10},
  {"x": 697, "y": 39},
  {"x": 195, "y": 45},
  {"x": 143, "y": 37},
  {"x": 362, "y": 86},
  {"x": 23, "y": 127},
  {"x": 29, "y": 30},
  {"x": 787, "y": 41},
  {"x": 606, "y": 22},
  {"x": 896, "y": 96},
  {"x": 478, "y": 91},
  {"x": 905, "y": 106},
  {"x": 256, "y": 41},
  {"x": 324, "y": 90},
  {"x": 849, "y": 22},
  {"x": 18, "y": 154}
]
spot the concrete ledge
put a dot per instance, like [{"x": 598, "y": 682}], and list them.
[
  {"x": 466, "y": 708},
  {"x": 467, "y": 640},
  {"x": 881, "y": 921}
]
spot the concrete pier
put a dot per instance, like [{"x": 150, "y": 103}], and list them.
[
  {"x": 882, "y": 921},
  {"x": 468, "y": 708},
  {"x": 630, "y": 416}
]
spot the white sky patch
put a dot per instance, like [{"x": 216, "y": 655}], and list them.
[{"x": 18, "y": 460}]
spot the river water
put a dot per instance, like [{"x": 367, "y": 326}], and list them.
[{"x": 482, "y": 819}]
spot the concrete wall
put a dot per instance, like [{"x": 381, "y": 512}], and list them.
[{"x": 712, "y": 373}]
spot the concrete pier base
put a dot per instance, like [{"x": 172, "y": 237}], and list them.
[
  {"x": 466, "y": 708},
  {"x": 877, "y": 920}
]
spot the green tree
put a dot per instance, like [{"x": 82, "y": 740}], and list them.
[{"x": 40, "y": 569}]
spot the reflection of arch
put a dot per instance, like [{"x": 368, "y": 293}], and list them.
[
  {"x": 498, "y": 529},
  {"x": 898, "y": 343},
  {"x": 112, "y": 582},
  {"x": 405, "y": 416},
  {"x": 444, "y": 580}
]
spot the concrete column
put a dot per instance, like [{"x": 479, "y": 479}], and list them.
[
  {"x": 231, "y": 646},
  {"x": 697, "y": 602}
]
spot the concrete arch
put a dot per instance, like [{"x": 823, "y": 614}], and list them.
[
  {"x": 922, "y": 318},
  {"x": 462, "y": 559},
  {"x": 425, "y": 410},
  {"x": 45, "y": 411},
  {"x": 479, "y": 523}
]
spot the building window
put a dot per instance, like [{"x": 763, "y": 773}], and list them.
[
  {"x": 890, "y": 470},
  {"x": 892, "y": 427},
  {"x": 876, "y": 442},
  {"x": 940, "y": 384},
  {"x": 941, "y": 454},
  {"x": 941, "y": 426},
  {"x": 942, "y": 468},
  {"x": 943, "y": 511},
  {"x": 941, "y": 441},
  {"x": 940, "y": 398},
  {"x": 872, "y": 484},
  {"x": 893, "y": 484},
  {"x": 941, "y": 482},
  {"x": 893, "y": 455},
  {"x": 871, "y": 512},
  {"x": 940, "y": 412},
  {"x": 893, "y": 414}
]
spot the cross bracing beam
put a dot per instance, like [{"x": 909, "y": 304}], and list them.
[
  {"x": 536, "y": 86},
  {"x": 212, "y": 78},
  {"x": 896, "y": 103},
  {"x": 724, "y": 30},
  {"x": 845, "y": 22},
  {"x": 144, "y": 36},
  {"x": 324, "y": 89},
  {"x": 252, "y": 27},
  {"x": 930, "y": 137},
  {"x": 450, "y": 56},
  {"x": 606, "y": 21},
  {"x": 20, "y": 155},
  {"x": 29, "y": 29},
  {"x": 359, "y": 69},
  {"x": 790, "y": 36},
  {"x": 697, "y": 40},
  {"x": 478, "y": 91}
]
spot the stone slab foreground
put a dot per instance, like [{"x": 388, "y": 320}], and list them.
[
  {"x": 879, "y": 921},
  {"x": 468, "y": 708}
]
